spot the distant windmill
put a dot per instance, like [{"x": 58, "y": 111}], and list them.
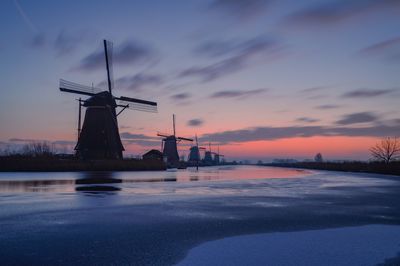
[
  {"x": 194, "y": 155},
  {"x": 99, "y": 137},
  {"x": 208, "y": 156},
  {"x": 217, "y": 156},
  {"x": 208, "y": 160},
  {"x": 169, "y": 146}
]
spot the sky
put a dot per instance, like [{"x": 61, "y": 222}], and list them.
[{"x": 262, "y": 79}]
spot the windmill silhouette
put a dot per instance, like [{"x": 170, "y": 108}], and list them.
[
  {"x": 99, "y": 136},
  {"x": 194, "y": 155},
  {"x": 169, "y": 146},
  {"x": 209, "y": 159}
]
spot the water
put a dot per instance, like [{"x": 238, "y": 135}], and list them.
[
  {"x": 79, "y": 189},
  {"x": 156, "y": 217}
]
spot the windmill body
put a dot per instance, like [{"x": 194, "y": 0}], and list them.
[
  {"x": 170, "y": 150},
  {"x": 170, "y": 147},
  {"x": 99, "y": 137},
  {"x": 208, "y": 160},
  {"x": 194, "y": 154}
]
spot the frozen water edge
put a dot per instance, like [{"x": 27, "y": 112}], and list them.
[{"x": 362, "y": 245}]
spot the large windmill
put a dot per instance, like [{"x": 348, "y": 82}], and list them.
[
  {"x": 99, "y": 137},
  {"x": 169, "y": 146}
]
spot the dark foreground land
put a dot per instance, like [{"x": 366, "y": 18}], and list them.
[
  {"x": 157, "y": 223},
  {"x": 54, "y": 164},
  {"x": 392, "y": 168}
]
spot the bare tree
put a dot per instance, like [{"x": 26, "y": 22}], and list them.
[
  {"x": 38, "y": 149},
  {"x": 318, "y": 158},
  {"x": 387, "y": 150}
]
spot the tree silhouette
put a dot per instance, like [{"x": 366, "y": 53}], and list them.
[
  {"x": 387, "y": 150},
  {"x": 318, "y": 158}
]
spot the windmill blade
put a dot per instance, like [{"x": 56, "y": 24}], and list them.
[
  {"x": 72, "y": 87},
  {"x": 108, "y": 52},
  {"x": 162, "y": 135},
  {"x": 137, "y": 104},
  {"x": 180, "y": 138},
  {"x": 135, "y": 100}
]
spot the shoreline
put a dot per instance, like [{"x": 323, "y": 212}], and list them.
[{"x": 348, "y": 167}]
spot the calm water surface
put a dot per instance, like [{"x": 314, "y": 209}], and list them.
[
  {"x": 154, "y": 218},
  {"x": 22, "y": 193}
]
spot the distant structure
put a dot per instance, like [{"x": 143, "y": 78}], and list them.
[
  {"x": 217, "y": 157},
  {"x": 194, "y": 155},
  {"x": 153, "y": 155},
  {"x": 212, "y": 158},
  {"x": 169, "y": 146},
  {"x": 318, "y": 158},
  {"x": 99, "y": 137}
]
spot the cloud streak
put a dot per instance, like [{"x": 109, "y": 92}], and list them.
[
  {"x": 276, "y": 133},
  {"x": 195, "y": 122},
  {"x": 327, "y": 106},
  {"x": 181, "y": 96},
  {"x": 367, "y": 93},
  {"x": 138, "y": 81},
  {"x": 307, "y": 120},
  {"x": 239, "y": 57},
  {"x": 240, "y": 9},
  {"x": 356, "y": 118},
  {"x": 67, "y": 42},
  {"x": 388, "y": 49},
  {"x": 128, "y": 53},
  {"x": 330, "y": 12},
  {"x": 140, "y": 139},
  {"x": 25, "y": 17},
  {"x": 236, "y": 93}
]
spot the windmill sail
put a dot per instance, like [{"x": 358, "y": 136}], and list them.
[
  {"x": 137, "y": 104},
  {"x": 72, "y": 87}
]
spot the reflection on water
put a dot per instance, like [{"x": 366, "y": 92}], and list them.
[
  {"x": 36, "y": 185},
  {"x": 94, "y": 189},
  {"x": 117, "y": 181},
  {"x": 91, "y": 182}
]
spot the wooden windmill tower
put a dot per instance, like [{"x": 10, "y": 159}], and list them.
[
  {"x": 169, "y": 146},
  {"x": 194, "y": 155},
  {"x": 99, "y": 137}
]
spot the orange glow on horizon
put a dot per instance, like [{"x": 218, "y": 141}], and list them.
[{"x": 335, "y": 147}]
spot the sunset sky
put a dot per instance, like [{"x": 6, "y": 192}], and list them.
[{"x": 262, "y": 78}]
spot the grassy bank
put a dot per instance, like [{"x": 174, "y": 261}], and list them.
[
  {"x": 392, "y": 168},
  {"x": 52, "y": 164}
]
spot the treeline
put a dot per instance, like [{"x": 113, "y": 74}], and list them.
[
  {"x": 392, "y": 168},
  {"x": 55, "y": 164},
  {"x": 43, "y": 157}
]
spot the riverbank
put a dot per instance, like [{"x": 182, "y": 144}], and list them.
[
  {"x": 392, "y": 168},
  {"x": 53, "y": 164}
]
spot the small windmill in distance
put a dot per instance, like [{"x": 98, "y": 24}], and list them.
[
  {"x": 169, "y": 146},
  {"x": 194, "y": 155},
  {"x": 99, "y": 137}
]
